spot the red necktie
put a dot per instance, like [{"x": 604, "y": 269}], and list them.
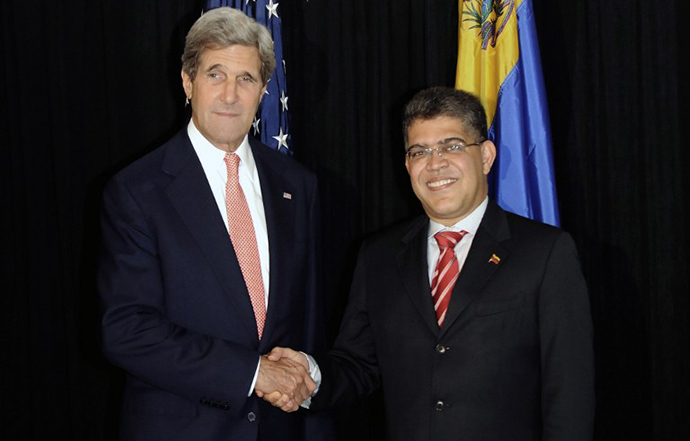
[
  {"x": 446, "y": 273},
  {"x": 244, "y": 240}
]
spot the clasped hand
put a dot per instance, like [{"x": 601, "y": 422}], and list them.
[{"x": 284, "y": 379}]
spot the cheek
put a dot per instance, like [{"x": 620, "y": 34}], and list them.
[
  {"x": 416, "y": 173},
  {"x": 416, "y": 180}
]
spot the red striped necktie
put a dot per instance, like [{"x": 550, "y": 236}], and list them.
[{"x": 446, "y": 273}]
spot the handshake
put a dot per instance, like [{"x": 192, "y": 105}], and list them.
[{"x": 284, "y": 379}]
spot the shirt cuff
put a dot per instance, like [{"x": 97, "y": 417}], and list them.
[
  {"x": 256, "y": 375},
  {"x": 315, "y": 374}
]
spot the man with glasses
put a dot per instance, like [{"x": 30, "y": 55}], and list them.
[{"x": 474, "y": 321}]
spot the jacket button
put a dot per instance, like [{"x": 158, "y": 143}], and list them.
[
  {"x": 441, "y": 349},
  {"x": 251, "y": 416},
  {"x": 439, "y": 406}
]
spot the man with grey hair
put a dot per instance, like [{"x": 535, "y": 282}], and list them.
[
  {"x": 209, "y": 259},
  {"x": 474, "y": 321}
]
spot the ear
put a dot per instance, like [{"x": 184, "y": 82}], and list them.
[
  {"x": 407, "y": 165},
  {"x": 263, "y": 92},
  {"x": 187, "y": 84},
  {"x": 488, "y": 155}
]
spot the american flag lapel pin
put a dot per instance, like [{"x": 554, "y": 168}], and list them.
[
  {"x": 287, "y": 195},
  {"x": 494, "y": 259}
]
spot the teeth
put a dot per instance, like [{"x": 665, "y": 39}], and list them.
[{"x": 440, "y": 183}]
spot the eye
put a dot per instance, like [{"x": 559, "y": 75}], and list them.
[
  {"x": 454, "y": 148},
  {"x": 417, "y": 153},
  {"x": 246, "y": 79}
]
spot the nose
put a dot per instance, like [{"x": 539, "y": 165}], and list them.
[
  {"x": 230, "y": 92},
  {"x": 436, "y": 160}
]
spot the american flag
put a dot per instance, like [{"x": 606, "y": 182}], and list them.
[{"x": 271, "y": 121}]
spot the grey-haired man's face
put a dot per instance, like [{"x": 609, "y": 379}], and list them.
[{"x": 225, "y": 94}]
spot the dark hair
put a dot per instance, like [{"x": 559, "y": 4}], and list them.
[{"x": 445, "y": 101}]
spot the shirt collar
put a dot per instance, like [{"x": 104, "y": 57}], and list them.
[
  {"x": 470, "y": 223},
  {"x": 212, "y": 157}
]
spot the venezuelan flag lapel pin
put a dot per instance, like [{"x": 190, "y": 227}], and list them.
[{"x": 494, "y": 259}]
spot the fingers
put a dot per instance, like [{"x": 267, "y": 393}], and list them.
[
  {"x": 275, "y": 398},
  {"x": 278, "y": 353},
  {"x": 290, "y": 407},
  {"x": 284, "y": 379},
  {"x": 281, "y": 401},
  {"x": 288, "y": 378}
]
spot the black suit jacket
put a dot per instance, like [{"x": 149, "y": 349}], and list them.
[
  {"x": 176, "y": 312},
  {"x": 513, "y": 359}
]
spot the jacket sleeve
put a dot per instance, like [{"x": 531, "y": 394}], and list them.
[
  {"x": 566, "y": 342},
  {"x": 137, "y": 334},
  {"x": 350, "y": 370}
]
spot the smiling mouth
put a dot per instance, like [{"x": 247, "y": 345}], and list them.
[{"x": 441, "y": 183}]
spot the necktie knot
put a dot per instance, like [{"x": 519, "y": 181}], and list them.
[
  {"x": 448, "y": 239},
  {"x": 232, "y": 162}
]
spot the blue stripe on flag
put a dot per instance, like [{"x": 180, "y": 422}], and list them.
[{"x": 522, "y": 179}]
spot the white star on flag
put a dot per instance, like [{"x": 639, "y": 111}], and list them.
[
  {"x": 255, "y": 124},
  {"x": 283, "y": 100},
  {"x": 282, "y": 139},
  {"x": 272, "y": 117},
  {"x": 272, "y": 9}
]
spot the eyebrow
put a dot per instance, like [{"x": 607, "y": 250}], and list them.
[
  {"x": 215, "y": 66},
  {"x": 441, "y": 142},
  {"x": 220, "y": 66}
]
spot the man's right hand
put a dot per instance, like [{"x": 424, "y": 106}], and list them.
[
  {"x": 284, "y": 382},
  {"x": 279, "y": 353}
]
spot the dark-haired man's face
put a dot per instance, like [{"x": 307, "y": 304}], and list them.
[{"x": 449, "y": 186}]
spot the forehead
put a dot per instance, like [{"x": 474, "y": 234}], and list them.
[
  {"x": 233, "y": 56},
  {"x": 431, "y": 131}
]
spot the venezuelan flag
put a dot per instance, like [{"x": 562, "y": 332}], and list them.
[{"x": 498, "y": 60}]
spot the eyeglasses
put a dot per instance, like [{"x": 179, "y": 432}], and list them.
[{"x": 418, "y": 153}]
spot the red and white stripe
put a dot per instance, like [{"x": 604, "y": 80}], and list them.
[{"x": 446, "y": 272}]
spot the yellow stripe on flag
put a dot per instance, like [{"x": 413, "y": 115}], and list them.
[{"x": 488, "y": 48}]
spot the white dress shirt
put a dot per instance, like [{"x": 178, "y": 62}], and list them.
[
  {"x": 215, "y": 169},
  {"x": 212, "y": 161},
  {"x": 470, "y": 224}
]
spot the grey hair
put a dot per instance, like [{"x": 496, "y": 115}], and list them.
[
  {"x": 444, "y": 101},
  {"x": 220, "y": 28}
]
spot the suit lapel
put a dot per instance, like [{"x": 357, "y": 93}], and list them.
[
  {"x": 412, "y": 264},
  {"x": 280, "y": 223},
  {"x": 480, "y": 264},
  {"x": 193, "y": 200}
]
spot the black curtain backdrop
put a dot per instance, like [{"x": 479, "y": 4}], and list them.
[{"x": 88, "y": 86}]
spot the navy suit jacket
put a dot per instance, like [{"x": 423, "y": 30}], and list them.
[
  {"x": 513, "y": 359},
  {"x": 176, "y": 315}
]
